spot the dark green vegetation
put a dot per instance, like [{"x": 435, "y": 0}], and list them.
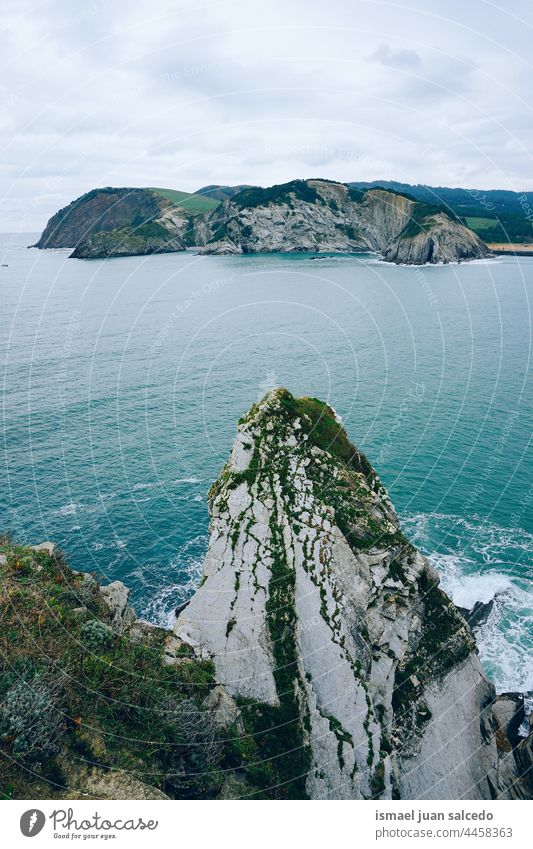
[
  {"x": 76, "y": 693},
  {"x": 503, "y": 228},
  {"x": 447, "y": 640},
  {"x": 282, "y": 193},
  {"x": 326, "y": 431},
  {"x": 347, "y": 492},
  {"x": 356, "y": 195},
  {"x": 221, "y": 192},
  {"x": 100, "y": 210},
  {"x": 496, "y": 215},
  {"x": 148, "y": 238},
  {"x": 420, "y": 218}
]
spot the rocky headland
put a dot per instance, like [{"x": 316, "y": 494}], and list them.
[
  {"x": 318, "y": 658},
  {"x": 302, "y": 216},
  {"x": 124, "y": 222}
]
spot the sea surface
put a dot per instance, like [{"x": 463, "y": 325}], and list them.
[{"x": 123, "y": 379}]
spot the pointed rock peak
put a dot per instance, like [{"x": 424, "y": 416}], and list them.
[
  {"x": 355, "y": 675},
  {"x": 286, "y": 443}
]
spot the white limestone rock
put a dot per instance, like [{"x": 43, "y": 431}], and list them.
[
  {"x": 48, "y": 547},
  {"x": 313, "y": 604},
  {"x": 116, "y": 595}
]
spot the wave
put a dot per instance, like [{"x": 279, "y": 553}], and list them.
[
  {"x": 187, "y": 480},
  {"x": 69, "y": 509},
  {"x": 481, "y": 561},
  {"x": 161, "y": 587}
]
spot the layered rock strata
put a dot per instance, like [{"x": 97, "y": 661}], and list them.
[{"x": 353, "y": 670}]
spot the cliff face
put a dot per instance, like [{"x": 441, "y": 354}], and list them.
[
  {"x": 354, "y": 672},
  {"x": 318, "y": 658},
  {"x": 319, "y": 215},
  {"x": 117, "y": 222},
  {"x": 435, "y": 240},
  {"x": 151, "y": 238},
  {"x": 300, "y": 216}
]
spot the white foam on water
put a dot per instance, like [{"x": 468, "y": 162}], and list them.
[
  {"x": 69, "y": 509},
  {"x": 506, "y": 641},
  {"x": 163, "y": 596},
  {"x": 467, "y": 589},
  {"x": 161, "y": 607},
  {"x": 481, "y": 561},
  {"x": 187, "y": 480}
]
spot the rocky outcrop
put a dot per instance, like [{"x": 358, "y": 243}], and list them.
[
  {"x": 436, "y": 239},
  {"x": 352, "y": 670},
  {"x": 118, "y": 222},
  {"x": 479, "y": 613},
  {"x": 302, "y": 216},
  {"x": 323, "y": 216},
  {"x": 299, "y": 216},
  {"x": 317, "y": 659},
  {"x": 117, "y": 597},
  {"x": 147, "y": 239},
  {"x": 100, "y": 210}
]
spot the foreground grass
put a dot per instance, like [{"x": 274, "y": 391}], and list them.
[{"x": 78, "y": 694}]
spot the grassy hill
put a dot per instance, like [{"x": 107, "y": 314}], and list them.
[
  {"x": 222, "y": 192},
  {"x": 195, "y": 204}
]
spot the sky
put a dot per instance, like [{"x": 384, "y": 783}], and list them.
[{"x": 184, "y": 93}]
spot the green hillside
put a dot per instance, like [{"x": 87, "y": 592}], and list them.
[
  {"x": 496, "y": 215},
  {"x": 195, "y": 204}
]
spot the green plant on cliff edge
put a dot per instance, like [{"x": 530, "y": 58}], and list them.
[
  {"x": 113, "y": 708},
  {"x": 31, "y": 718}
]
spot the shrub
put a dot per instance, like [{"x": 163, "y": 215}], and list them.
[
  {"x": 194, "y": 747},
  {"x": 96, "y": 635},
  {"x": 31, "y": 717},
  {"x": 81, "y": 595}
]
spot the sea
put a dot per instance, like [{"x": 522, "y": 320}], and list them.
[{"x": 123, "y": 380}]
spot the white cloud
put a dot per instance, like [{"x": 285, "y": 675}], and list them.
[
  {"x": 187, "y": 93},
  {"x": 386, "y": 55}
]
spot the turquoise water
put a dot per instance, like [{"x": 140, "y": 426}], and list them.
[{"x": 124, "y": 380}]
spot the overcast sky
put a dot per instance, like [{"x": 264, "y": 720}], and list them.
[{"x": 181, "y": 93}]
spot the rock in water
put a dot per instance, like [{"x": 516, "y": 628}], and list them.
[
  {"x": 321, "y": 215},
  {"x": 298, "y": 216},
  {"x": 355, "y": 673},
  {"x": 479, "y": 614},
  {"x": 117, "y": 222},
  {"x": 437, "y": 239}
]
